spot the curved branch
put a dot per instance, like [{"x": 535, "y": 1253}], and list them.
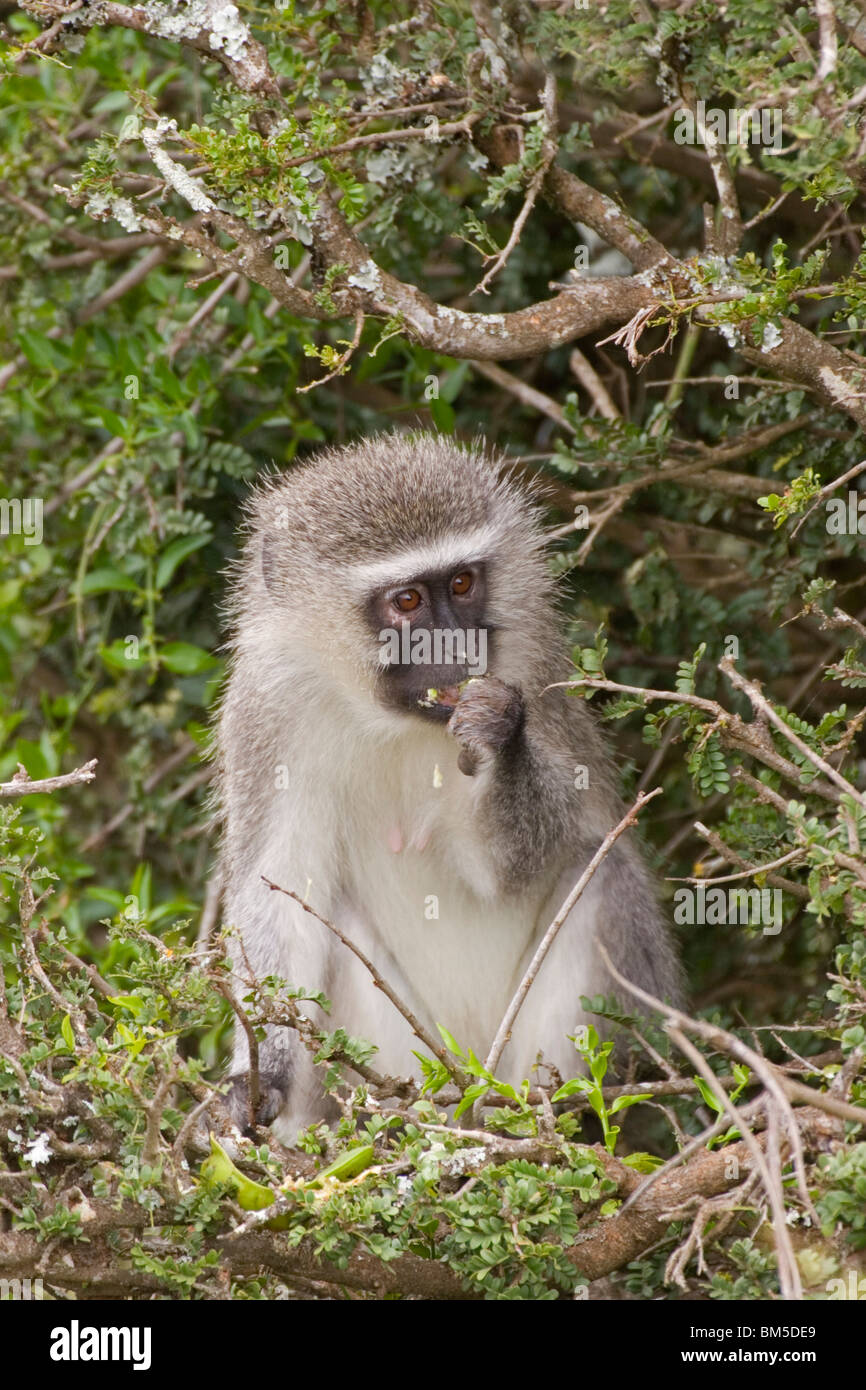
[{"x": 576, "y": 311}]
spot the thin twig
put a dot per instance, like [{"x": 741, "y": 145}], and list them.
[
  {"x": 781, "y": 1086},
  {"x": 210, "y": 910},
  {"x": 762, "y": 705},
  {"x": 581, "y": 367},
  {"x": 437, "y": 1048},
  {"x": 548, "y": 154},
  {"x": 744, "y": 873},
  {"x": 826, "y": 491},
  {"x": 125, "y": 282},
  {"x": 528, "y": 395},
  {"x": 342, "y": 361},
  {"x": 22, "y": 785},
  {"x": 771, "y": 1176},
  {"x": 699, "y": 1141},
  {"x": 240, "y": 1013},
  {"x": 827, "y": 43}
]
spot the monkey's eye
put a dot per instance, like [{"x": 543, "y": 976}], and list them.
[
  {"x": 461, "y": 583},
  {"x": 407, "y": 600}
]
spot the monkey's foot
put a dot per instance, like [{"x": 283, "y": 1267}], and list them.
[
  {"x": 488, "y": 717},
  {"x": 273, "y": 1095}
]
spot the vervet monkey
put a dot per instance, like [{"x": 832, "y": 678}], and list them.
[{"x": 440, "y": 824}]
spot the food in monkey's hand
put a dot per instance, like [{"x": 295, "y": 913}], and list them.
[{"x": 446, "y": 696}]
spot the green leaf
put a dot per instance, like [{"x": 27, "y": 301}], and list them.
[
  {"x": 175, "y": 553},
  {"x": 127, "y": 1001},
  {"x": 579, "y": 1085},
  {"x": 443, "y": 416},
  {"x": 708, "y": 1095},
  {"x": 470, "y": 1095},
  {"x": 68, "y": 1034},
  {"x": 113, "y": 422},
  {"x": 347, "y": 1165},
  {"x": 107, "y": 581},
  {"x": 450, "y": 1042},
  {"x": 117, "y": 657},
  {"x": 621, "y": 1102},
  {"x": 642, "y": 1162},
  {"x": 41, "y": 351},
  {"x": 185, "y": 659}
]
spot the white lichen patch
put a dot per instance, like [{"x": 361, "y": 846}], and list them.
[
  {"x": 367, "y": 277},
  {"x": 97, "y": 205},
  {"x": 123, "y": 212},
  {"x": 178, "y": 22},
  {"x": 718, "y": 273},
  {"x": 835, "y": 385},
  {"x": 494, "y": 69},
  {"x": 771, "y": 337},
  {"x": 298, "y": 226},
  {"x": 464, "y": 1160},
  {"x": 102, "y": 205},
  {"x": 174, "y": 174},
  {"x": 381, "y": 78},
  {"x": 731, "y": 334},
  {"x": 38, "y": 1151},
  {"x": 386, "y": 166},
  {"x": 227, "y": 31},
  {"x": 653, "y": 277}
]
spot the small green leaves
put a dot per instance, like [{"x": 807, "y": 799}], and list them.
[
  {"x": 687, "y": 672},
  {"x": 800, "y": 492},
  {"x": 589, "y": 662},
  {"x": 596, "y": 1055},
  {"x": 707, "y": 766}
]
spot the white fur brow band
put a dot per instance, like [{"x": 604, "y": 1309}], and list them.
[{"x": 439, "y": 555}]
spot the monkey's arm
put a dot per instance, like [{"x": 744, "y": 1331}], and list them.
[
  {"x": 537, "y": 815},
  {"x": 528, "y": 801}
]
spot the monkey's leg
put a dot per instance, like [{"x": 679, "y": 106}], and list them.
[
  {"x": 279, "y": 942},
  {"x": 290, "y": 1093}
]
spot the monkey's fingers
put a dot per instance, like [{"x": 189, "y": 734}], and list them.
[
  {"x": 488, "y": 717},
  {"x": 468, "y": 760},
  {"x": 273, "y": 1094}
]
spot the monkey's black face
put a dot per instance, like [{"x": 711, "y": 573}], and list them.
[{"x": 433, "y": 636}]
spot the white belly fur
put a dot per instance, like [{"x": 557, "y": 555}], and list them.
[{"x": 461, "y": 967}]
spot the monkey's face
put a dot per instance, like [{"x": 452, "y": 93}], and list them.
[{"x": 433, "y": 636}]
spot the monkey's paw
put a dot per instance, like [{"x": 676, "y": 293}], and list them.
[
  {"x": 273, "y": 1094},
  {"x": 487, "y": 718}
]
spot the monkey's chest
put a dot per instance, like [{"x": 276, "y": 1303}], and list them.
[{"x": 453, "y": 953}]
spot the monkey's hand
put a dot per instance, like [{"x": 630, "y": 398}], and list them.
[
  {"x": 487, "y": 719},
  {"x": 273, "y": 1094}
]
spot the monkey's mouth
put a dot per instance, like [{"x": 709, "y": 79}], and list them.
[{"x": 441, "y": 699}]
